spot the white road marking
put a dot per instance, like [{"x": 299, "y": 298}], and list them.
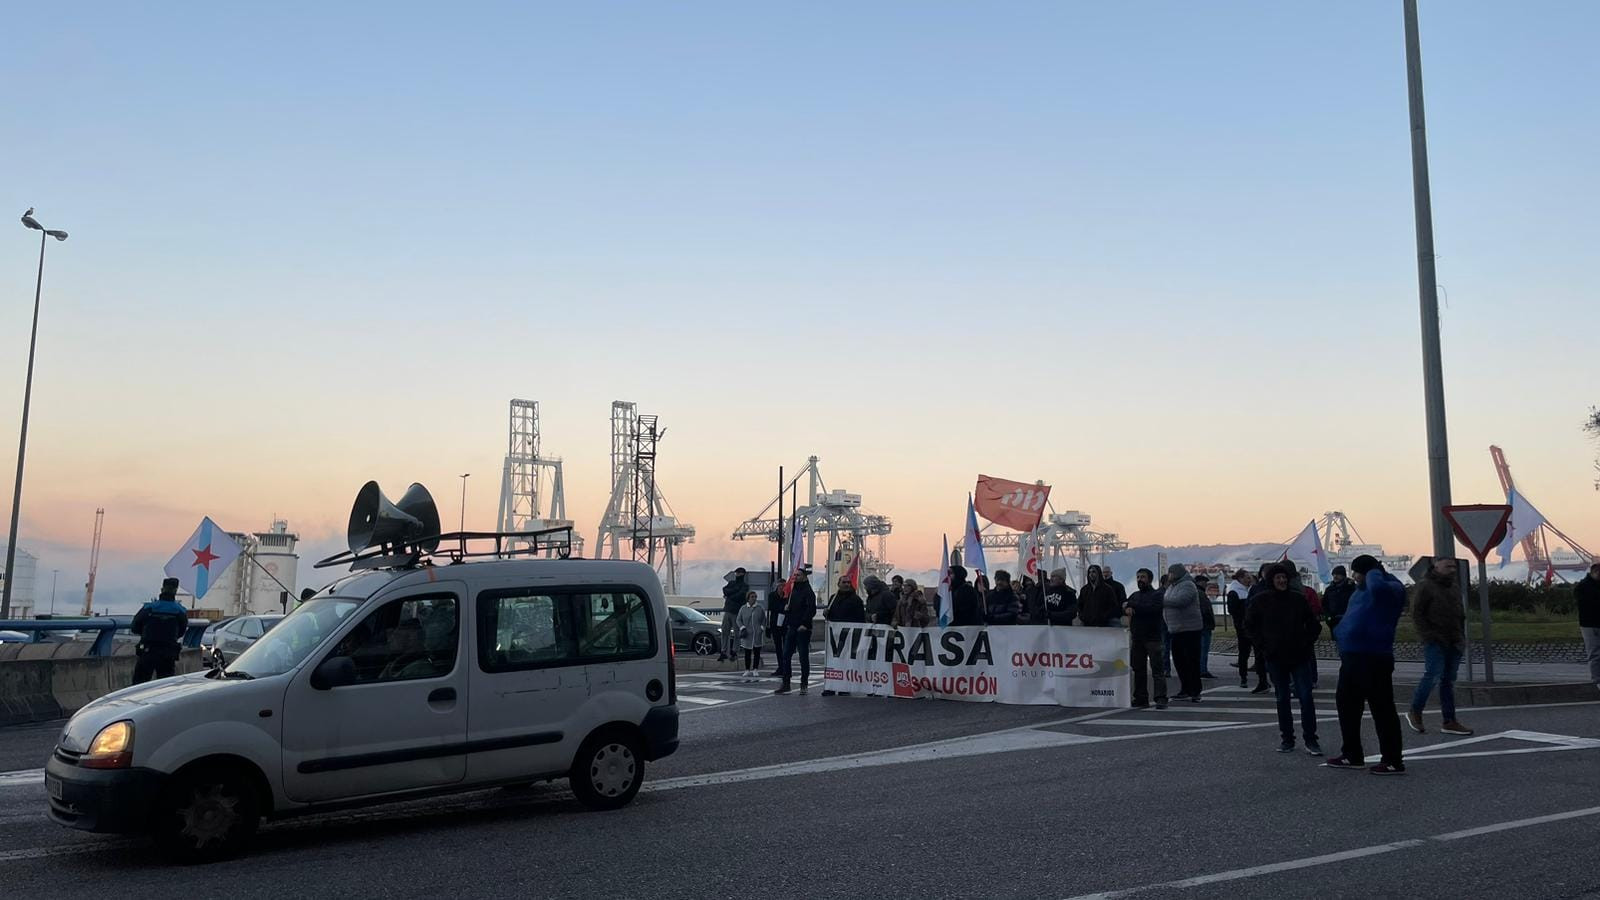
[
  {"x": 703, "y": 701},
  {"x": 21, "y": 777},
  {"x": 1548, "y": 743},
  {"x": 64, "y": 850},
  {"x": 1167, "y": 723},
  {"x": 1329, "y": 858}
]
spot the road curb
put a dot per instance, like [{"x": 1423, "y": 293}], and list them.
[{"x": 1479, "y": 694}]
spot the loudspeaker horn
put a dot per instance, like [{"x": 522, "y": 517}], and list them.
[{"x": 375, "y": 521}]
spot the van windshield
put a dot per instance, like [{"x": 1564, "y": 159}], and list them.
[{"x": 292, "y": 639}]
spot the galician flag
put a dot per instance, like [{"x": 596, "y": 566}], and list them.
[
  {"x": 1525, "y": 521},
  {"x": 1308, "y": 548},
  {"x": 944, "y": 583},
  {"x": 207, "y": 554},
  {"x": 972, "y": 544}
]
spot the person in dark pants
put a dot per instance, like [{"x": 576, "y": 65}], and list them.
[
  {"x": 1144, "y": 632},
  {"x": 1262, "y": 584},
  {"x": 1366, "y": 667},
  {"x": 1238, "y": 590},
  {"x": 1208, "y": 623},
  {"x": 1284, "y": 629},
  {"x": 732, "y": 601},
  {"x": 1181, "y": 609},
  {"x": 797, "y": 617},
  {"x": 160, "y": 625},
  {"x": 777, "y": 601},
  {"x": 1336, "y": 597}
]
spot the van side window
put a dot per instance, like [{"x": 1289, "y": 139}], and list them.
[
  {"x": 528, "y": 628},
  {"x": 412, "y": 637}
]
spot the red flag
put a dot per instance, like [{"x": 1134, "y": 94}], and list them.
[
  {"x": 1012, "y": 504},
  {"x": 852, "y": 574}
]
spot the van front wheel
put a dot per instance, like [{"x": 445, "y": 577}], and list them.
[
  {"x": 608, "y": 771},
  {"x": 209, "y": 813}
]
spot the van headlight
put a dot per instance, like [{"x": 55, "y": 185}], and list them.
[{"x": 112, "y": 748}]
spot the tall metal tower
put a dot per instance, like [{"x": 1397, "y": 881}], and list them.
[
  {"x": 638, "y": 522},
  {"x": 523, "y": 480},
  {"x": 94, "y": 562},
  {"x": 1061, "y": 537}
]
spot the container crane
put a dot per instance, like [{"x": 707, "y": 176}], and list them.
[{"x": 94, "y": 562}]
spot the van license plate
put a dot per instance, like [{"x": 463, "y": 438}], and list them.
[{"x": 52, "y": 786}]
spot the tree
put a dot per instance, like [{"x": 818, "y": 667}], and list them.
[{"x": 1592, "y": 425}]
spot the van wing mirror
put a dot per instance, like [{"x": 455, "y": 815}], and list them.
[{"x": 335, "y": 671}]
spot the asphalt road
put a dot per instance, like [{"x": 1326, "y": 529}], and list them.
[{"x": 859, "y": 797}]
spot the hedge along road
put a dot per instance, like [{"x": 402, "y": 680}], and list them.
[{"x": 905, "y": 798}]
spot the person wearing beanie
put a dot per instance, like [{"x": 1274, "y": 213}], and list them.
[
  {"x": 1336, "y": 597},
  {"x": 1441, "y": 625},
  {"x": 1180, "y": 607},
  {"x": 1366, "y": 667},
  {"x": 965, "y": 607},
  {"x": 160, "y": 625},
  {"x": 1284, "y": 629}
]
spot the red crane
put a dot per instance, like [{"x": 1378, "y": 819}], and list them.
[
  {"x": 94, "y": 562},
  {"x": 1535, "y": 545}
]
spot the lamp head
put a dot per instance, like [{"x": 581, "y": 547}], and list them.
[
  {"x": 58, "y": 235},
  {"x": 30, "y": 221}
]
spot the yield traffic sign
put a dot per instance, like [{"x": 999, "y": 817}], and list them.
[{"x": 1480, "y": 526}]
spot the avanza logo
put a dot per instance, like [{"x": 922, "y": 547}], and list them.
[
  {"x": 904, "y": 686},
  {"x": 1052, "y": 660}
]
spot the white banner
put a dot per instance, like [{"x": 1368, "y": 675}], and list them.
[{"x": 1032, "y": 664}]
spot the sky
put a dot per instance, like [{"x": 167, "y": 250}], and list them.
[{"x": 1159, "y": 255}]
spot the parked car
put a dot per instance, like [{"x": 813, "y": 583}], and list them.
[
  {"x": 391, "y": 684},
  {"x": 208, "y": 641},
  {"x": 694, "y": 631},
  {"x": 15, "y": 637},
  {"x": 236, "y": 635}
]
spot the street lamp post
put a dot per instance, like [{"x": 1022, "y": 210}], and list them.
[
  {"x": 53, "y": 574},
  {"x": 27, "y": 399},
  {"x": 464, "y": 501},
  {"x": 1444, "y": 542}
]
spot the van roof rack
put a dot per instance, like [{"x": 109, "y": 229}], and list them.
[{"x": 454, "y": 546}]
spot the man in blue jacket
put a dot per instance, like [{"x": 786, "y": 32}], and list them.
[
  {"x": 160, "y": 625},
  {"x": 1366, "y": 667}
]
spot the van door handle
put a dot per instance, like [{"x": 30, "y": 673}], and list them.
[{"x": 442, "y": 695}]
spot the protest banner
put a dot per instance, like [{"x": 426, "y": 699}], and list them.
[{"x": 1025, "y": 664}]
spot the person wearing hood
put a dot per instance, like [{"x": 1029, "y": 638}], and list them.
[
  {"x": 1144, "y": 634},
  {"x": 1284, "y": 630},
  {"x": 1181, "y": 611},
  {"x": 1262, "y": 584},
  {"x": 882, "y": 601},
  {"x": 913, "y": 611},
  {"x": 1336, "y": 597},
  {"x": 1060, "y": 600},
  {"x": 797, "y": 618},
  {"x": 1001, "y": 605},
  {"x": 777, "y": 602},
  {"x": 1031, "y": 594},
  {"x": 1366, "y": 667},
  {"x": 1208, "y": 622},
  {"x": 1099, "y": 604},
  {"x": 1441, "y": 625},
  {"x": 733, "y": 595},
  {"x": 1238, "y": 590},
  {"x": 1122, "y": 593}
]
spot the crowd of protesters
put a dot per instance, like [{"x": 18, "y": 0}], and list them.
[{"x": 1278, "y": 620}]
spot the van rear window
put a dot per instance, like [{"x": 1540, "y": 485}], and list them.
[{"x": 535, "y": 628}]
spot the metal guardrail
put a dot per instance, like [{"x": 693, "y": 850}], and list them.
[{"x": 106, "y": 629}]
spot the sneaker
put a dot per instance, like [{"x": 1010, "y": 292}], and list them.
[
  {"x": 1286, "y": 747},
  {"x": 1313, "y": 748},
  {"x": 1195, "y": 699},
  {"x": 1386, "y": 769},
  {"x": 1138, "y": 705},
  {"x": 1343, "y": 762},
  {"x": 1261, "y": 689},
  {"x": 783, "y": 689},
  {"x": 1244, "y": 683},
  {"x": 1161, "y": 704},
  {"x": 1414, "y": 719},
  {"x": 1207, "y": 675},
  {"x": 1454, "y": 727},
  {"x": 802, "y": 690},
  {"x": 824, "y": 693}
]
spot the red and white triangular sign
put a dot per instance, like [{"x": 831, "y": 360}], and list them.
[{"x": 1481, "y": 527}]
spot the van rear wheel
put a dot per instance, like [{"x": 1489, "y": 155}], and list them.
[
  {"x": 209, "y": 813},
  {"x": 608, "y": 770}
]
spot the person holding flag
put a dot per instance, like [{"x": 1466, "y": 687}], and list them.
[{"x": 797, "y": 616}]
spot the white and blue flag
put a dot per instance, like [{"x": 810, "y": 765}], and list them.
[{"x": 206, "y": 556}]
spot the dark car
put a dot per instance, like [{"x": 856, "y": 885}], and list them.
[{"x": 692, "y": 630}]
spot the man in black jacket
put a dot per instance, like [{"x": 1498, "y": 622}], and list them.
[
  {"x": 1060, "y": 600},
  {"x": 1587, "y": 593},
  {"x": 965, "y": 608},
  {"x": 732, "y": 599},
  {"x": 1002, "y": 606},
  {"x": 1208, "y": 622},
  {"x": 777, "y": 601},
  {"x": 1145, "y": 628},
  {"x": 1336, "y": 597},
  {"x": 881, "y": 601},
  {"x": 797, "y": 617},
  {"x": 1284, "y": 629},
  {"x": 1122, "y": 594}
]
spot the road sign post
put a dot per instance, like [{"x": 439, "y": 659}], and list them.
[{"x": 1480, "y": 527}]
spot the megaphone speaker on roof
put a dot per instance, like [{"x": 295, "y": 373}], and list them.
[{"x": 375, "y": 521}]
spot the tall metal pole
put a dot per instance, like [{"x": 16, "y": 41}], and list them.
[
  {"x": 22, "y": 442},
  {"x": 1427, "y": 287},
  {"x": 1483, "y": 613}
]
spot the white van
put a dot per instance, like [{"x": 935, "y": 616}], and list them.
[{"x": 388, "y": 685}]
